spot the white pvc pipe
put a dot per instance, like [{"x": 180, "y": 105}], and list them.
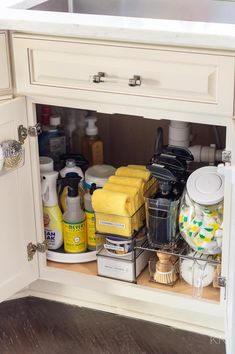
[{"x": 179, "y": 135}]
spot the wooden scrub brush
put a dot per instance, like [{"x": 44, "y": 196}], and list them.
[{"x": 165, "y": 270}]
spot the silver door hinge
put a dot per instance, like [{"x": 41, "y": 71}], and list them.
[
  {"x": 222, "y": 284},
  {"x": 226, "y": 156},
  {"x": 23, "y": 132},
  {"x": 40, "y": 247}
]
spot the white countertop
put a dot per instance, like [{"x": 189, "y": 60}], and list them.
[{"x": 128, "y": 29}]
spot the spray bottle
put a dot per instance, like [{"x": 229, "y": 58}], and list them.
[
  {"x": 71, "y": 170},
  {"x": 52, "y": 215},
  {"x": 90, "y": 219},
  {"x": 74, "y": 225}
]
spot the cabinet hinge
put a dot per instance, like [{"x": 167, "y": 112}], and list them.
[
  {"x": 23, "y": 132},
  {"x": 226, "y": 156},
  {"x": 32, "y": 248},
  {"x": 222, "y": 284}
]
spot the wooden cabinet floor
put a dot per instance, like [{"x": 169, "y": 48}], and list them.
[{"x": 37, "y": 326}]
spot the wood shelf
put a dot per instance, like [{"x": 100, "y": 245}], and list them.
[{"x": 209, "y": 292}]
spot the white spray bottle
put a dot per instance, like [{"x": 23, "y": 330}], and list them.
[{"x": 53, "y": 227}]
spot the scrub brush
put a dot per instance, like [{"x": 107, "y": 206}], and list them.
[{"x": 165, "y": 270}]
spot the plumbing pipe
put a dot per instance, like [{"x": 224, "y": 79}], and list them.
[
  {"x": 179, "y": 135},
  {"x": 206, "y": 154}
]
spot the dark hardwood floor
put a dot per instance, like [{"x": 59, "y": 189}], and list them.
[{"x": 37, "y": 326}]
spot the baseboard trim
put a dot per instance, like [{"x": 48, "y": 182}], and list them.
[{"x": 123, "y": 306}]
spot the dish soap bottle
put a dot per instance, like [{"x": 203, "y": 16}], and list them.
[
  {"x": 92, "y": 145},
  {"x": 90, "y": 219},
  {"x": 52, "y": 215},
  {"x": 74, "y": 225}
]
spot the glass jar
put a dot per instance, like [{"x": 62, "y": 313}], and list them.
[{"x": 201, "y": 211}]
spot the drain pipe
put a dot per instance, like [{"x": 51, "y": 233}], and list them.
[{"x": 179, "y": 135}]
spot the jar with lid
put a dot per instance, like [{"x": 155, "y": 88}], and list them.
[{"x": 201, "y": 211}]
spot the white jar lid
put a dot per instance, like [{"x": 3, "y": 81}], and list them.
[
  {"x": 99, "y": 174},
  {"x": 205, "y": 186}
]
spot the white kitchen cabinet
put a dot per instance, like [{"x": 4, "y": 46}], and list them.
[
  {"x": 5, "y": 71},
  {"x": 197, "y": 87}
]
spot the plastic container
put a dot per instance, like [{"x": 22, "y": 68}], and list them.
[
  {"x": 13, "y": 153},
  {"x": 120, "y": 247},
  {"x": 99, "y": 175},
  {"x": 1, "y": 158},
  {"x": 70, "y": 166},
  {"x": 201, "y": 211},
  {"x": 162, "y": 221},
  {"x": 74, "y": 225},
  {"x": 90, "y": 219},
  {"x": 46, "y": 164},
  {"x": 92, "y": 145},
  {"x": 52, "y": 142}
]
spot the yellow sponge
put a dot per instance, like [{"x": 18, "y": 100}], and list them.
[
  {"x": 133, "y": 192},
  {"x": 129, "y": 181},
  {"x": 110, "y": 202},
  {"x": 133, "y": 172},
  {"x": 138, "y": 167}
]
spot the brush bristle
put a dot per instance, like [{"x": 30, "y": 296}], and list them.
[{"x": 165, "y": 278}]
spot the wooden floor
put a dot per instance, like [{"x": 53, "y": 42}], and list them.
[{"x": 36, "y": 326}]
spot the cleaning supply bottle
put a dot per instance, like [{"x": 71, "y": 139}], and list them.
[
  {"x": 92, "y": 145},
  {"x": 70, "y": 128},
  {"x": 46, "y": 112},
  {"x": 52, "y": 141},
  {"x": 52, "y": 215},
  {"x": 90, "y": 219},
  {"x": 74, "y": 225},
  {"x": 79, "y": 133},
  {"x": 71, "y": 170}
]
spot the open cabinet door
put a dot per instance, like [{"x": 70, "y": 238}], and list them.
[
  {"x": 230, "y": 281},
  {"x": 17, "y": 220}
]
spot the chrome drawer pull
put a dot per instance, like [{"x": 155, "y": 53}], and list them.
[
  {"x": 97, "y": 78},
  {"x": 135, "y": 81}
]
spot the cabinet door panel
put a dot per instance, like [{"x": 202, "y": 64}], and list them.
[
  {"x": 230, "y": 281},
  {"x": 17, "y": 209},
  {"x": 5, "y": 74}
]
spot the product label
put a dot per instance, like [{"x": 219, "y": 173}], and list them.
[
  {"x": 90, "y": 228},
  {"x": 75, "y": 237},
  {"x": 52, "y": 218},
  {"x": 52, "y": 236},
  {"x": 57, "y": 145},
  {"x": 113, "y": 224},
  {"x": 114, "y": 247}
]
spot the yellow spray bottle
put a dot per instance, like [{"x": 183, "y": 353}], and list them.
[
  {"x": 74, "y": 224},
  {"x": 51, "y": 212}
]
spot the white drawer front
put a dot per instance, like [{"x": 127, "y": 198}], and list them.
[{"x": 167, "y": 76}]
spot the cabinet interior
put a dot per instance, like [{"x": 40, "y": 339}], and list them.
[{"x": 124, "y": 145}]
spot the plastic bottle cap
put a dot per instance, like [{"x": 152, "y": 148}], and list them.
[
  {"x": 70, "y": 163},
  {"x": 55, "y": 120},
  {"x": 98, "y": 174},
  {"x": 91, "y": 129},
  {"x": 205, "y": 186},
  {"x": 46, "y": 164}
]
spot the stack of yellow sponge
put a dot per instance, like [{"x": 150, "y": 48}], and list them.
[{"x": 119, "y": 206}]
